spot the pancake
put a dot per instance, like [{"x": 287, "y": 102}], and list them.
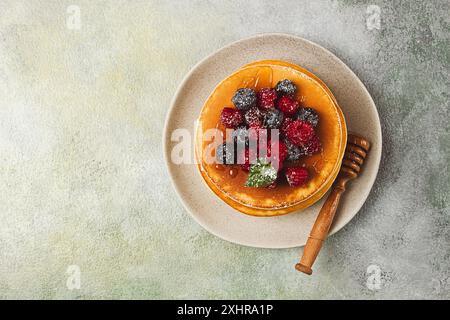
[{"x": 228, "y": 182}]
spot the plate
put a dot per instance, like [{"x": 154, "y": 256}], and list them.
[{"x": 206, "y": 208}]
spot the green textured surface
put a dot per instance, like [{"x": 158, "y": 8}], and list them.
[{"x": 81, "y": 118}]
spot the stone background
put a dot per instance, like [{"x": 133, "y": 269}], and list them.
[{"x": 82, "y": 178}]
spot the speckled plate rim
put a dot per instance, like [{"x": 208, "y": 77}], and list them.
[{"x": 340, "y": 222}]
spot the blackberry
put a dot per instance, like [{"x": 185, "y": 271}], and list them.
[
  {"x": 244, "y": 98},
  {"x": 240, "y": 135},
  {"x": 294, "y": 152},
  {"x": 225, "y": 153},
  {"x": 286, "y": 87},
  {"x": 308, "y": 115},
  {"x": 273, "y": 119}
]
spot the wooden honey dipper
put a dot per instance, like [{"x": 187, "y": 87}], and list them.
[{"x": 355, "y": 153}]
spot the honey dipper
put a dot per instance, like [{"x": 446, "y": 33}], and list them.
[{"x": 355, "y": 153}]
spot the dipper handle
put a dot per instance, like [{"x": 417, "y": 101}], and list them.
[
  {"x": 355, "y": 154},
  {"x": 319, "y": 231}
]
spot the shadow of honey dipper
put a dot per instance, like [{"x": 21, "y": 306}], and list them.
[{"x": 355, "y": 153}]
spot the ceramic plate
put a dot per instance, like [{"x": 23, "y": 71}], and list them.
[{"x": 289, "y": 230}]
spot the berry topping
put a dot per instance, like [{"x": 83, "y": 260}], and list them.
[
  {"x": 255, "y": 148},
  {"x": 294, "y": 152},
  {"x": 240, "y": 135},
  {"x": 262, "y": 174},
  {"x": 296, "y": 176},
  {"x": 244, "y": 98},
  {"x": 273, "y": 119},
  {"x": 225, "y": 153},
  {"x": 288, "y": 105},
  {"x": 231, "y": 117},
  {"x": 299, "y": 132},
  {"x": 253, "y": 117},
  {"x": 308, "y": 115},
  {"x": 266, "y": 98},
  {"x": 313, "y": 145},
  {"x": 286, "y": 87}
]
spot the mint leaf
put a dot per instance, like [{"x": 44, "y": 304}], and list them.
[{"x": 261, "y": 174}]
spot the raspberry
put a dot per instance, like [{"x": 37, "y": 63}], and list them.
[
  {"x": 313, "y": 145},
  {"x": 266, "y": 98},
  {"x": 299, "y": 132},
  {"x": 294, "y": 152},
  {"x": 296, "y": 176},
  {"x": 253, "y": 117},
  {"x": 230, "y": 117},
  {"x": 284, "y": 125},
  {"x": 286, "y": 87},
  {"x": 288, "y": 105},
  {"x": 225, "y": 153},
  {"x": 273, "y": 119},
  {"x": 244, "y": 99},
  {"x": 308, "y": 115}
]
